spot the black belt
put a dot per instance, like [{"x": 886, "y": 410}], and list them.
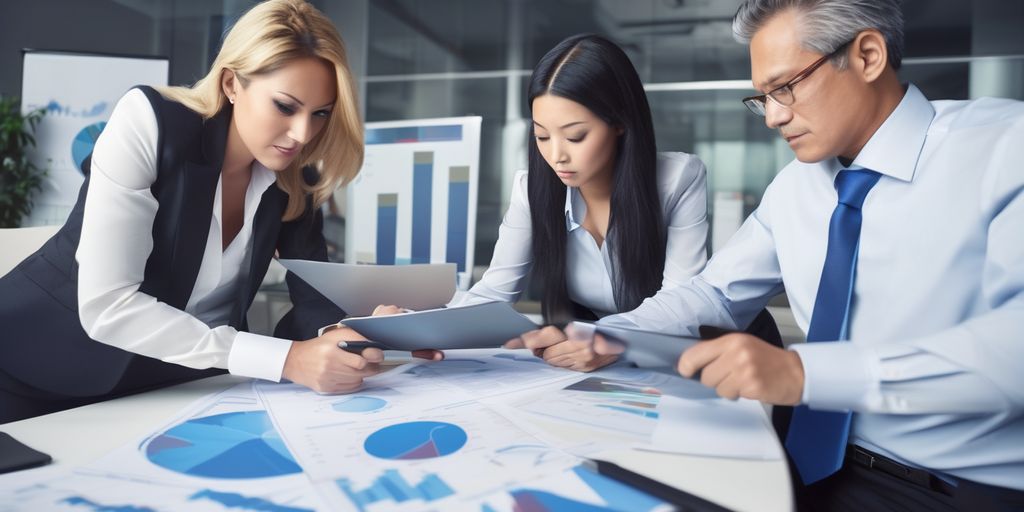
[{"x": 917, "y": 476}]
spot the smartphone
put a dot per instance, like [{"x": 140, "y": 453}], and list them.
[{"x": 15, "y": 456}]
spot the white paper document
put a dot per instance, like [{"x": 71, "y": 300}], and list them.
[
  {"x": 467, "y": 433},
  {"x": 358, "y": 289},
  {"x": 426, "y": 459},
  {"x": 626, "y": 401},
  {"x": 577, "y": 488},
  {"x": 490, "y": 373},
  {"x": 82, "y": 490},
  {"x": 647, "y": 410},
  {"x": 220, "y": 453},
  {"x": 715, "y": 428}
]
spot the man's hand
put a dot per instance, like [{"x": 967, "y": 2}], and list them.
[
  {"x": 740, "y": 365},
  {"x": 553, "y": 345}
]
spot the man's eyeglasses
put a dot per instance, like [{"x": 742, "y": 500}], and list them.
[{"x": 783, "y": 95}]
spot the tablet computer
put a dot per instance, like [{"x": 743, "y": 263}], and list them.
[
  {"x": 487, "y": 325},
  {"x": 645, "y": 348},
  {"x": 358, "y": 289}
]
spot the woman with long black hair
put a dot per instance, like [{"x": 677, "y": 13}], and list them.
[{"x": 603, "y": 219}]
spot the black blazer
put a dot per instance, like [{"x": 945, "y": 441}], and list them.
[{"x": 42, "y": 342}]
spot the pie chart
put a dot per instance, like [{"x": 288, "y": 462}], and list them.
[
  {"x": 415, "y": 440},
  {"x": 359, "y": 403},
  {"x": 234, "y": 445},
  {"x": 84, "y": 141}
]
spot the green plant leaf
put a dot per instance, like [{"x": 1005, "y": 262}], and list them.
[{"x": 20, "y": 178}]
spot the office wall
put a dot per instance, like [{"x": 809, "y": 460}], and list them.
[{"x": 186, "y": 32}]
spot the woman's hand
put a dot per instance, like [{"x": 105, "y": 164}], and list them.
[
  {"x": 558, "y": 349},
  {"x": 391, "y": 309},
  {"x": 388, "y": 309},
  {"x": 321, "y": 366}
]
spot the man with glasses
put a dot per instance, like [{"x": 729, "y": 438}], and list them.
[{"x": 898, "y": 235}]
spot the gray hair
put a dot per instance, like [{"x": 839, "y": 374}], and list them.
[{"x": 828, "y": 24}]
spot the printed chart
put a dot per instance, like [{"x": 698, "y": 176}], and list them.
[
  {"x": 482, "y": 373},
  {"x": 576, "y": 490},
  {"x": 623, "y": 403},
  {"x": 231, "y": 445},
  {"x": 392, "y": 487},
  {"x": 359, "y": 403},
  {"x": 225, "y": 442},
  {"x": 415, "y": 440},
  {"x": 85, "y": 491},
  {"x": 444, "y": 454}
]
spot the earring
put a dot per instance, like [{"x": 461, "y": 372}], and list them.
[{"x": 231, "y": 101}]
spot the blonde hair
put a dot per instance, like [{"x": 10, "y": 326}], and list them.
[{"x": 265, "y": 39}]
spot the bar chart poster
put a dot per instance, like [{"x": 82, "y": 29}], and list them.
[{"x": 414, "y": 200}]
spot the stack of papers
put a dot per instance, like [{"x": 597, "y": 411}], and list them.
[{"x": 485, "y": 430}]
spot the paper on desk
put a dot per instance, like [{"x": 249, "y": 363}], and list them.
[
  {"x": 714, "y": 427},
  {"x": 225, "y": 437},
  {"x": 483, "y": 373},
  {"x": 626, "y": 401},
  {"x": 577, "y": 488},
  {"x": 219, "y": 453},
  {"x": 426, "y": 459},
  {"x": 82, "y": 490},
  {"x": 317, "y": 428}
]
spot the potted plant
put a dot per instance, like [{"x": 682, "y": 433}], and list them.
[{"x": 19, "y": 177}]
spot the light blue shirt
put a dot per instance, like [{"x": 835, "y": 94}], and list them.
[
  {"x": 682, "y": 182},
  {"x": 934, "y": 369}
]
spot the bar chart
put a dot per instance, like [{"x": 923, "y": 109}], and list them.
[
  {"x": 392, "y": 487},
  {"x": 414, "y": 200}
]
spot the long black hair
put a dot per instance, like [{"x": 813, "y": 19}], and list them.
[{"x": 594, "y": 72}]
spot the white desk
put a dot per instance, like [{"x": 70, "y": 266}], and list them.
[{"x": 735, "y": 484}]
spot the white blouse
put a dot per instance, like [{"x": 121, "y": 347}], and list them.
[
  {"x": 682, "y": 181},
  {"x": 116, "y": 243}
]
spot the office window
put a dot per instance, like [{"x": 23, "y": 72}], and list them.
[{"x": 441, "y": 58}]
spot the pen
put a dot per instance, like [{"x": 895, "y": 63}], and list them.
[
  {"x": 357, "y": 346},
  {"x": 678, "y": 498}
]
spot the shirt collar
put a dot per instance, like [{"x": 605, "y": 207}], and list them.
[
  {"x": 894, "y": 148},
  {"x": 262, "y": 178},
  {"x": 575, "y": 208}
]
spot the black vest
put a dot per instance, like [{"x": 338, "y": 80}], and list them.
[{"x": 43, "y": 343}]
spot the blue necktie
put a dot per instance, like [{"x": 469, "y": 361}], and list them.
[{"x": 817, "y": 439}]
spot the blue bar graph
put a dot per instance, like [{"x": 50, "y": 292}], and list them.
[
  {"x": 78, "y": 501},
  {"x": 390, "y": 486},
  {"x": 233, "y": 500},
  {"x": 458, "y": 213},
  {"x": 387, "y": 228},
  {"x": 422, "y": 195}
]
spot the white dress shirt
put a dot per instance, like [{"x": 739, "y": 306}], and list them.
[
  {"x": 934, "y": 369},
  {"x": 117, "y": 240},
  {"x": 682, "y": 181}
]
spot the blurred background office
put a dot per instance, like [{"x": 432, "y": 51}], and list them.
[{"x": 418, "y": 59}]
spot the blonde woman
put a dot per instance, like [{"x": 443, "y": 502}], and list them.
[{"x": 190, "y": 192}]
